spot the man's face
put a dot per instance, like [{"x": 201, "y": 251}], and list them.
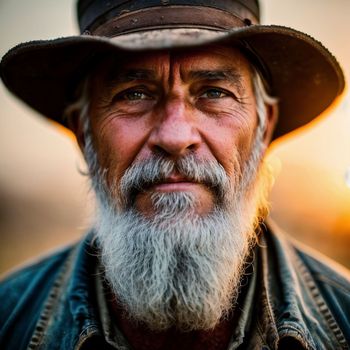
[
  {"x": 173, "y": 148},
  {"x": 197, "y": 102}
]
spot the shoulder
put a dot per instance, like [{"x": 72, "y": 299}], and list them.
[
  {"x": 333, "y": 287},
  {"x": 34, "y": 272},
  {"x": 323, "y": 269},
  {"x": 23, "y": 293},
  {"x": 327, "y": 283}
]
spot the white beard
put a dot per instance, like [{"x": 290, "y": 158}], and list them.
[{"x": 177, "y": 268}]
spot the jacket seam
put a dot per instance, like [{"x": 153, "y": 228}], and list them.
[
  {"x": 266, "y": 301},
  {"x": 85, "y": 334},
  {"x": 51, "y": 301},
  {"x": 321, "y": 304}
]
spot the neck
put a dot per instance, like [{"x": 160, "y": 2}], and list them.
[{"x": 141, "y": 338}]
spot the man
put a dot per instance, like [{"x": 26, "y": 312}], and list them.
[{"x": 173, "y": 105}]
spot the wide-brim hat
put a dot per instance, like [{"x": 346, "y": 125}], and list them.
[{"x": 299, "y": 71}]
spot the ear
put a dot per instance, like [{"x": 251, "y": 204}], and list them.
[
  {"x": 75, "y": 124},
  {"x": 271, "y": 121}
]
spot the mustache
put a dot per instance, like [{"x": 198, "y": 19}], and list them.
[{"x": 143, "y": 174}]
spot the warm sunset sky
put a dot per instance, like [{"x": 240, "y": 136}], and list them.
[{"x": 43, "y": 201}]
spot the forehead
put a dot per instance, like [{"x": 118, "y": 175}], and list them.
[{"x": 161, "y": 63}]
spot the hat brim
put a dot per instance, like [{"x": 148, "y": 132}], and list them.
[{"x": 302, "y": 73}]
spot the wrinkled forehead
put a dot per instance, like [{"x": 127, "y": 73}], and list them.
[{"x": 163, "y": 64}]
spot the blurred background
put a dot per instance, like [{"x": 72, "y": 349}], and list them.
[{"x": 45, "y": 202}]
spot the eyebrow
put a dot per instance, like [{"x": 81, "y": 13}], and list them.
[
  {"x": 127, "y": 76},
  {"x": 232, "y": 76}
]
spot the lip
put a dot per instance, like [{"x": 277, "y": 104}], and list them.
[
  {"x": 175, "y": 186},
  {"x": 175, "y": 183}
]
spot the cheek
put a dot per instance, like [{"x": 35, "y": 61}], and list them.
[
  {"x": 229, "y": 139},
  {"x": 119, "y": 142}
]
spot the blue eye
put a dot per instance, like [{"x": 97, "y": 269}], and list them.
[
  {"x": 213, "y": 94},
  {"x": 135, "y": 96}
]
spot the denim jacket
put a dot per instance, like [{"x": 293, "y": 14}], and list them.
[{"x": 294, "y": 301}]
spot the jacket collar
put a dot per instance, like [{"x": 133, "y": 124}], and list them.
[
  {"x": 286, "y": 301},
  {"x": 290, "y": 297},
  {"x": 280, "y": 297}
]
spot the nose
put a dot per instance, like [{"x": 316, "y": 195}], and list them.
[{"x": 176, "y": 130}]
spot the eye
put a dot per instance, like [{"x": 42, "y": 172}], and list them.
[
  {"x": 214, "y": 93},
  {"x": 134, "y": 95}
]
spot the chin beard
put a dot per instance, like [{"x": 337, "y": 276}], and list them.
[{"x": 177, "y": 268}]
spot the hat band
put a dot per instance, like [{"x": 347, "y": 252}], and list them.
[
  {"x": 93, "y": 13},
  {"x": 169, "y": 17}
]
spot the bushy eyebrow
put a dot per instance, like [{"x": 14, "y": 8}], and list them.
[
  {"x": 130, "y": 75},
  {"x": 232, "y": 76}
]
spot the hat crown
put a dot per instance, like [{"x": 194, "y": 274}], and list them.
[{"x": 93, "y": 13}]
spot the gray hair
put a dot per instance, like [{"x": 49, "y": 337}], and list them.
[{"x": 262, "y": 99}]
